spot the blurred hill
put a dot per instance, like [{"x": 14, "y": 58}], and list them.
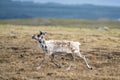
[{"x": 16, "y": 9}]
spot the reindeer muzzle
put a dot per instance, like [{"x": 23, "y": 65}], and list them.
[{"x": 33, "y": 36}]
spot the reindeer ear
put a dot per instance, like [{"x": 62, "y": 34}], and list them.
[
  {"x": 41, "y": 32},
  {"x": 44, "y": 33}
]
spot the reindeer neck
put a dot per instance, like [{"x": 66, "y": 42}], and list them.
[{"x": 43, "y": 45}]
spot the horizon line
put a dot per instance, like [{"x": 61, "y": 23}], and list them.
[{"x": 66, "y": 3}]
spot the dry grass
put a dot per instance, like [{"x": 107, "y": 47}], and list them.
[{"x": 19, "y": 54}]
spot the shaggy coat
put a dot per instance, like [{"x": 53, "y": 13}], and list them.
[{"x": 58, "y": 47}]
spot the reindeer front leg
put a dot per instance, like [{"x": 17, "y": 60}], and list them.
[
  {"x": 41, "y": 62},
  {"x": 53, "y": 61},
  {"x": 72, "y": 61}
]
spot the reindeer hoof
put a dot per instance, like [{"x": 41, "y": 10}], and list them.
[
  {"x": 68, "y": 69},
  {"x": 59, "y": 66},
  {"x": 91, "y": 68},
  {"x": 39, "y": 67}
]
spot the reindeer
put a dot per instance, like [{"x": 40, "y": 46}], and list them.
[{"x": 58, "y": 47}]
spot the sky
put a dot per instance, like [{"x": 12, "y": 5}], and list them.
[{"x": 95, "y": 2}]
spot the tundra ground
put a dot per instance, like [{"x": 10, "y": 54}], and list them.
[{"x": 19, "y": 54}]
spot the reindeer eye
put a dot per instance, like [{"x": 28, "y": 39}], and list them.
[{"x": 38, "y": 35}]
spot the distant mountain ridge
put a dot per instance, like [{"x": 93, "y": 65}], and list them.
[{"x": 16, "y": 9}]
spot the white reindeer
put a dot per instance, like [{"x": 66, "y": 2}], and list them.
[{"x": 58, "y": 47}]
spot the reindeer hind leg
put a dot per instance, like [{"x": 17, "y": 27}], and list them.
[{"x": 84, "y": 58}]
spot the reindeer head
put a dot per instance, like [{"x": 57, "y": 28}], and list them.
[{"x": 39, "y": 36}]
